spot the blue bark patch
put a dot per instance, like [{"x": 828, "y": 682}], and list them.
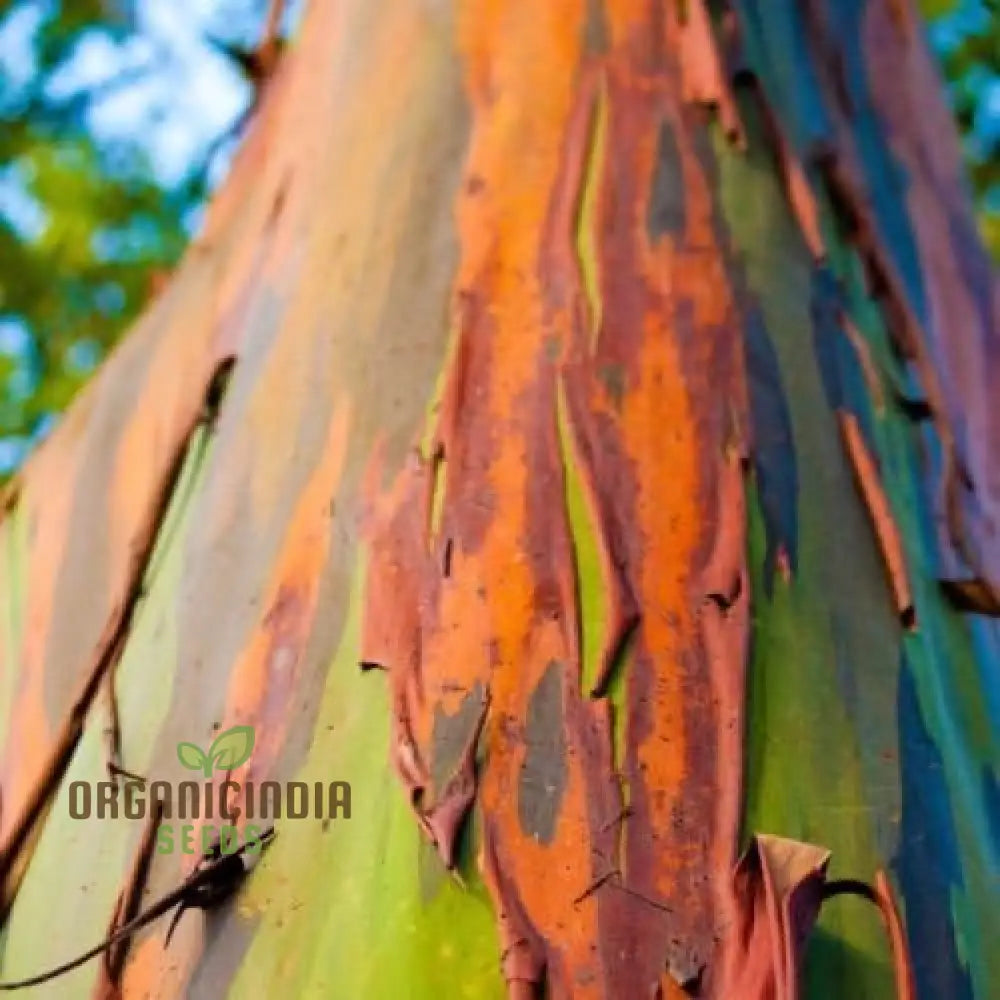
[{"x": 774, "y": 460}]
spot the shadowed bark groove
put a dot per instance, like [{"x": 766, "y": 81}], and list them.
[{"x": 15, "y": 851}]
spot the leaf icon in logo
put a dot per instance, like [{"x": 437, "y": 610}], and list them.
[
  {"x": 231, "y": 748},
  {"x": 193, "y": 757}
]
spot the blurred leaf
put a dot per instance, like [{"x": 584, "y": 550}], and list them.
[
  {"x": 989, "y": 226},
  {"x": 937, "y": 8}
]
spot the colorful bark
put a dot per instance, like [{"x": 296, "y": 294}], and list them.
[{"x": 599, "y": 381}]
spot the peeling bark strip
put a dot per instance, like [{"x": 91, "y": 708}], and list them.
[
  {"x": 883, "y": 522},
  {"x": 520, "y": 952},
  {"x": 973, "y": 595},
  {"x": 608, "y": 616},
  {"x": 780, "y": 886},
  {"x": 515, "y": 345},
  {"x": 17, "y": 846},
  {"x": 458, "y": 783},
  {"x": 587, "y": 479},
  {"x": 127, "y": 908},
  {"x": 643, "y": 429},
  {"x": 705, "y": 78},
  {"x": 906, "y": 986},
  {"x": 869, "y": 368},
  {"x": 865, "y": 116},
  {"x": 725, "y": 626}
]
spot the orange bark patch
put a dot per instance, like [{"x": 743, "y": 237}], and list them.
[
  {"x": 264, "y": 679},
  {"x": 472, "y": 581},
  {"x": 658, "y": 435},
  {"x": 703, "y": 73}
]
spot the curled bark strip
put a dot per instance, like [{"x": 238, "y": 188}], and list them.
[
  {"x": 127, "y": 907},
  {"x": 909, "y": 338},
  {"x": 867, "y": 363},
  {"x": 973, "y": 595},
  {"x": 722, "y": 574},
  {"x": 405, "y": 754},
  {"x": 867, "y": 477},
  {"x": 958, "y": 539},
  {"x": 978, "y": 593},
  {"x": 778, "y": 890},
  {"x": 905, "y": 985},
  {"x": 780, "y": 886},
  {"x": 622, "y": 623},
  {"x": 436, "y": 486},
  {"x": 521, "y": 952},
  {"x": 880, "y": 895},
  {"x": 704, "y": 79},
  {"x": 585, "y": 172},
  {"x": 17, "y": 846},
  {"x": 798, "y": 190},
  {"x": 802, "y": 200},
  {"x": 391, "y": 630},
  {"x": 912, "y": 404},
  {"x": 444, "y": 819},
  {"x": 725, "y": 633},
  {"x": 621, "y": 612}
]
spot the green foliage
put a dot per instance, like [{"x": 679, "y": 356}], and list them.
[
  {"x": 86, "y": 227},
  {"x": 969, "y": 51},
  {"x": 78, "y": 281},
  {"x": 937, "y": 8}
]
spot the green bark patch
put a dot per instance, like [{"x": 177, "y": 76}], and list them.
[
  {"x": 341, "y": 907},
  {"x": 588, "y": 216},
  {"x": 592, "y": 600},
  {"x": 68, "y": 893}
]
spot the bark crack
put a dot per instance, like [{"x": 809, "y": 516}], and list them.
[{"x": 17, "y": 846}]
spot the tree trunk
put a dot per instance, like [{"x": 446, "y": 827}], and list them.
[{"x": 610, "y": 378}]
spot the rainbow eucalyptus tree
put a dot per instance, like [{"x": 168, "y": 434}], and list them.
[{"x": 571, "y": 430}]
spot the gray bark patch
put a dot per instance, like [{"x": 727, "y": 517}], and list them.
[
  {"x": 449, "y": 740},
  {"x": 452, "y": 734},
  {"x": 543, "y": 773},
  {"x": 665, "y": 213}
]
